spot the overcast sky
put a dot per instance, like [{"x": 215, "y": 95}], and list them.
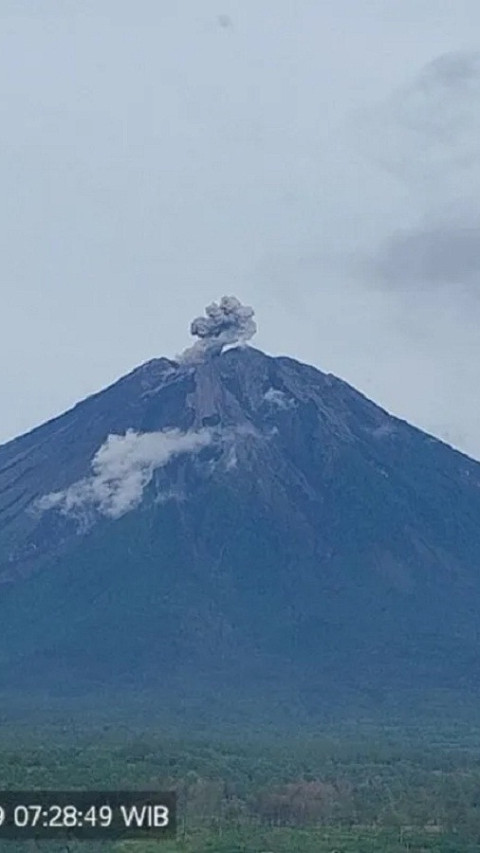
[{"x": 319, "y": 160}]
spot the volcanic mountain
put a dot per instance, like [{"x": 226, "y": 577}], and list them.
[{"x": 235, "y": 518}]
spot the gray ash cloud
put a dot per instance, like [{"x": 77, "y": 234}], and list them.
[{"x": 225, "y": 323}]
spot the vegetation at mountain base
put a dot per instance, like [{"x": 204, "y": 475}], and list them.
[{"x": 348, "y": 788}]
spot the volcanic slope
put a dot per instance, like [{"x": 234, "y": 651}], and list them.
[{"x": 238, "y": 520}]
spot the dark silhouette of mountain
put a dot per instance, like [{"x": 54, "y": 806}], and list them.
[{"x": 256, "y": 523}]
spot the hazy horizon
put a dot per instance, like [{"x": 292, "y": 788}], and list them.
[{"x": 320, "y": 163}]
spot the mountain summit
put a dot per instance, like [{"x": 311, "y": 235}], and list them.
[{"x": 230, "y": 517}]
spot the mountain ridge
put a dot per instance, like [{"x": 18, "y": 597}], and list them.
[{"x": 308, "y": 530}]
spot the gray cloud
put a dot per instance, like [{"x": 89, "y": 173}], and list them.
[
  {"x": 151, "y": 154},
  {"x": 426, "y": 133},
  {"x": 432, "y": 256},
  {"x": 420, "y": 273},
  {"x": 428, "y": 129},
  {"x": 227, "y": 322},
  {"x": 455, "y": 70}
]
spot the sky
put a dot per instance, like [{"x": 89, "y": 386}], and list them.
[{"x": 320, "y": 161}]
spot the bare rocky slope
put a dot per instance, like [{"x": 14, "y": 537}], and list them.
[{"x": 257, "y": 521}]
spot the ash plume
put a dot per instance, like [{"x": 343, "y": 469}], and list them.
[{"x": 227, "y": 322}]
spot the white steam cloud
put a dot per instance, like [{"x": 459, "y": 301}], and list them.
[
  {"x": 121, "y": 469},
  {"x": 278, "y": 398},
  {"x": 226, "y": 322}
]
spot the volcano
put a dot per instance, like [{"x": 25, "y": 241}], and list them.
[{"x": 234, "y": 519}]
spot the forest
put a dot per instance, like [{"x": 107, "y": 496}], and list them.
[{"x": 355, "y": 787}]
